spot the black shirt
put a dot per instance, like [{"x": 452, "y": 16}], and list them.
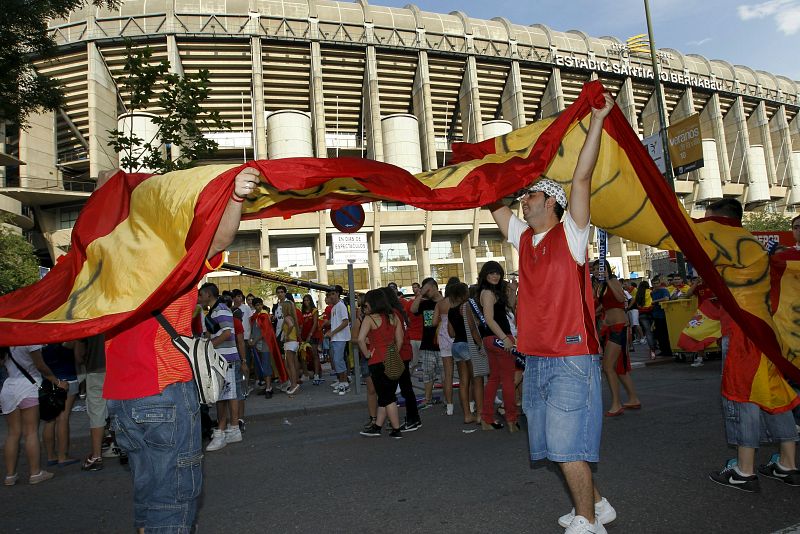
[
  {"x": 501, "y": 318},
  {"x": 427, "y": 310},
  {"x": 455, "y": 318}
]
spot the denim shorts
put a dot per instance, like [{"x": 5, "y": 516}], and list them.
[
  {"x": 562, "y": 401},
  {"x": 161, "y": 434},
  {"x": 460, "y": 352},
  {"x": 747, "y": 425},
  {"x": 339, "y": 363},
  {"x": 234, "y": 382}
]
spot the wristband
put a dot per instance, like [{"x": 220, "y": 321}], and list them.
[{"x": 237, "y": 198}]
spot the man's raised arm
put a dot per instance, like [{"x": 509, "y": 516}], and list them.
[
  {"x": 582, "y": 178},
  {"x": 244, "y": 184}
]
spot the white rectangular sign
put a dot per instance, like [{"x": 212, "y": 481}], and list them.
[
  {"x": 349, "y": 247},
  {"x": 655, "y": 147}
]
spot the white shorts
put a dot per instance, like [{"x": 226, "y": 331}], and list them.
[
  {"x": 633, "y": 317},
  {"x": 291, "y": 345}
]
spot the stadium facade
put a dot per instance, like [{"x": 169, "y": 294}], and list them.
[{"x": 322, "y": 78}]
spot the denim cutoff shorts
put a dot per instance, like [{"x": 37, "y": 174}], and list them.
[
  {"x": 562, "y": 401},
  {"x": 161, "y": 434},
  {"x": 460, "y": 352},
  {"x": 339, "y": 362}
]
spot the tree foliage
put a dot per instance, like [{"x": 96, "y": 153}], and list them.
[
  {"x": 763, "y": 221},
  {"x": 24, "y": 36},
  {"x": 183, "y": 119},
  {"x": 19, "y": 266}
]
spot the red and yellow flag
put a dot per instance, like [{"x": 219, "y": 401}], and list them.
[{"x": 141, "y": 240}]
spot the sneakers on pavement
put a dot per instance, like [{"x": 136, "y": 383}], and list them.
[
  {"x": 92, "y": 464},
  {"x": 342, "y": 389},
  {"x": 217, "y": 441},
  {"x": 335, "y": 384},
  {"x": 581, "y": 525},
  {"x": 39, "y": 477},
  {"x": 603, "y": 511},
  {"x": 698, "y": 362},
  {"x": 268, "y": 393},
  {"x": 242, "y": 425},
  {"x": 410, "y": 426},
  {"x": 772, "y": 469},
  {"x": 318, "y": 380},
  {"x": 233, "y": 434},
  {"x": 369, "y": 424},
  {"x": 112, "y": 451},
  {"x": 449, "y": 409},
  {"x": 396, "y": 433},
  {"x": 373, "y": 432},
  {"x": 292, "y": 390},
  {"x": 730, "y": 477}
]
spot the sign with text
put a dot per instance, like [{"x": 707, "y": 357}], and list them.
[
  {"x": 685, "y": 144},
  {"x": 655, "y": 148},
  {"x": 349, "y": 247}
]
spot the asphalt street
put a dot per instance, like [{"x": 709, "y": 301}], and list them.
[{"x": 314, "y": 473}]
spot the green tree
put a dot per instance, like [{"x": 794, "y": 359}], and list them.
[
  {"x": 182, "y": 123},
  {"x": 19, "y": 266},
  {"x": 763, "y": 221},
  {"x": 24, "y": 37}
]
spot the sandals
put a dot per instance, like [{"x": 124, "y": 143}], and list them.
[{"x": 617, "y": 413}]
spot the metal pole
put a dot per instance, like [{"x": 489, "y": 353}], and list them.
[
  {"x": 353, "y": 342},
  {"x": 662, "y": 120}
]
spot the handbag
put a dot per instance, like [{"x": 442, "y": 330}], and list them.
[
  {"x": 52, "y": 399},
  {"x": 393, "y": 366},
  {"x": 208, "y": 366}
]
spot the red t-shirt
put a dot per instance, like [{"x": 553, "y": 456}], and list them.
[
  {"x": 414, "y": 321},
  {"x": 141, "y": 361}
]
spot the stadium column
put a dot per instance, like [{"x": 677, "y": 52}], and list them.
[
  {"x": 758, "y": 125},
  {"x": 372, "y": 106},
  {"x": 794, "y": 165},
  {"x": 175, "y": 67},
  {"x": 738, "y": 137},
  {"x": 553, "y": 97},
  {"x": 711, "y": 119},
  {"x": 423, "y": 250},
  {"x": 423, "y": 109},
  {"x": 37, "y": 148},
  {"x": 257, "y": 99},
  {"x": 264, "y": 244},
  {"x": 317, "y": 101},
  {"x": 102, "y": 110},
  {"x": 469, "y": 102},
  {"x": 650, "y": 117},
  {"x": 683, "y": 109},
  {"x": 627, "y": 103},
  {"x": 512, "y": 102},
  {"x": 786, "y": 174}
]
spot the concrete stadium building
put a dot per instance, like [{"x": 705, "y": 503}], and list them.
[{"x": 323, "y": 78}]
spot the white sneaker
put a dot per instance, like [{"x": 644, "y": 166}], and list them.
[
  {"x": 233, "y": 435},
  {"x": 580, "y": 525},
  {"x": 217, "y": 441},
  {"x": 449, "y": 409},
  {"x": 343, "y": 389},
  {"x": 698, "y": 362},
  {"x": 603, "y": 511},
  {"x": 335, "y": 384}
]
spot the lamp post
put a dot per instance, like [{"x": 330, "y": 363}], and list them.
[{"x": 662, "y": 118}]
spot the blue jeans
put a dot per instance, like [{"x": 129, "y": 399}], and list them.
[
  {"x": 561, "y": 398},
  {"x": 161, "y": 435},
  {"x": 265, "y": 367},
  {"x": 339, "y": 362},
  {"x": 747, "y": 425}
]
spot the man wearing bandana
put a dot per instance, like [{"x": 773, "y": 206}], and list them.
[{"x": 561, "y": 395}]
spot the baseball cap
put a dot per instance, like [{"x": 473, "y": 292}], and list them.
[{"x": 551, "y": 189}]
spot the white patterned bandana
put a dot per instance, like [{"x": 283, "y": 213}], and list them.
[{"x": 551, "y": 189}]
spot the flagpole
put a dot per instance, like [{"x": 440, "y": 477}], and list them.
[
  {"x": 662, "y": 117},
  {"x": 276, "y": 277}
]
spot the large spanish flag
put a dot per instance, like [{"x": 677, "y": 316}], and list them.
[{"x": 141, "y": 240}]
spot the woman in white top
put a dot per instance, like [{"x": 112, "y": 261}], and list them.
[{"x": 19, "y": 401}]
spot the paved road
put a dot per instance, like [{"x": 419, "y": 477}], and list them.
[{"x": 318, "y": 475}]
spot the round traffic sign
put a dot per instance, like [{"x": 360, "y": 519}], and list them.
[{"x": 348, "y": 219}]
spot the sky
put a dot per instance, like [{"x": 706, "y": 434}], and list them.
[{"x": 761, "y": 35}]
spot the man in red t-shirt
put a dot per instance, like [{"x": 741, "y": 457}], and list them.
[
  {"x": 555, "y": 310},
  {"x": 414, "y": 325},
  {"x": 153, "y": 402}
]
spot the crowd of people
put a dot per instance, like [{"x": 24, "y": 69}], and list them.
[{"x": 545, "y": 345}]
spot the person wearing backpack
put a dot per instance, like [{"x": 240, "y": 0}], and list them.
[{"x": 153, "y": 400}]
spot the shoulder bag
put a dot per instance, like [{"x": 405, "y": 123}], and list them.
[{"x": 52, "y": 399}]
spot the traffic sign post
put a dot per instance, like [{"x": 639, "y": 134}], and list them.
[
  {"x": 348, "y": 219},
  {"x": 353, "y": 342}
]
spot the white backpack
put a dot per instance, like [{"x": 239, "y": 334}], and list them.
[{"x": 208, "y": 366}]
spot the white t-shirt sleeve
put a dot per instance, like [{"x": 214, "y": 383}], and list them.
[
  {"x": 516, "y": 227},
  {"x": 577, "y": 238}
]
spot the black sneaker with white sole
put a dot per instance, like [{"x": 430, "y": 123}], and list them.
[
  {"x": 396, "y": 433},
  {"x": 773, "y": 470},
  {"x": 731, "y": 478},
  {"x": 373, "y": 432},
  {"x": 410, "y": 426}
]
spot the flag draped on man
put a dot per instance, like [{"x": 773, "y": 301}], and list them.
[{"x": 140, "y": 240}]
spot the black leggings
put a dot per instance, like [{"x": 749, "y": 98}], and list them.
[
  {"x": 412, "y": 412},
  {"x": 384, "y": 387},
  {"x": 662, "y": 335}
]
